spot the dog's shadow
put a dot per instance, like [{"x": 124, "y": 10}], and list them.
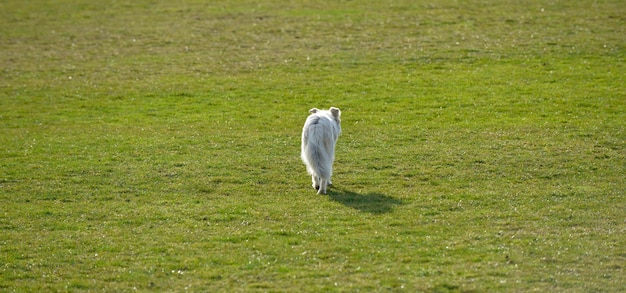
[{"x": 373, "y": 203}]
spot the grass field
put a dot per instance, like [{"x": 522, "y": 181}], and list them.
[{"x": 154, "y": 146}]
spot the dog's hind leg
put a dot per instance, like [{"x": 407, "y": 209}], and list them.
[
  {"x": 316, "y": 182},
  {"x": 323, "y": 185}
]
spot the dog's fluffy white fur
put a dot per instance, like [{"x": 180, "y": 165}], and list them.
[{"x": 319, "y": 136}]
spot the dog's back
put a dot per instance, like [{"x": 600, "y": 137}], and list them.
[{"x": 319, "y": 136}]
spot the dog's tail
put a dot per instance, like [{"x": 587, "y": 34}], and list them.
[{"x": 317, "y": 151}]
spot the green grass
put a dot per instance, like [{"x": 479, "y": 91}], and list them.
[{"x": 154, "y": 145}]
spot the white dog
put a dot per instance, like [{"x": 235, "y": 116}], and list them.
[{"x": 319, "y": 136}]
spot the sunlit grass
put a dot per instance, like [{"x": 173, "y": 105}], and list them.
[{"x": 155, "y": 146}]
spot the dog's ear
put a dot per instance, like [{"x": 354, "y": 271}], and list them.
[
  {"x": 336, "y": 112},
  {"x": 314, "y": 110}
]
